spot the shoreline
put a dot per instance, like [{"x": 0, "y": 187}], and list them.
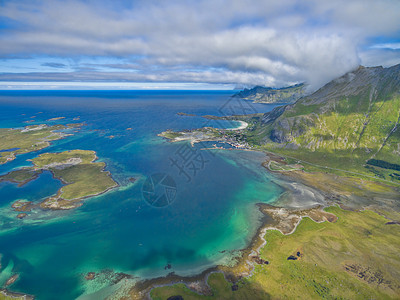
[
  {"x": 42, "y": 143},
  {"x": 15, "y": 295},
  {"x": 246, "y": 261},
  {"x": 243, "y": 267},
  {"x": 244, "y": 264},
  {"x": 303, "y": 193},
  {"x": 243, "y": 125},
  {"x": 57, "y": 202},
  {"x": 79, "y": 201},
  {"x": 248, "y": 257}
]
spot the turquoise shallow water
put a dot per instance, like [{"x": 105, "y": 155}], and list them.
[{"x": 213, "y": 210}]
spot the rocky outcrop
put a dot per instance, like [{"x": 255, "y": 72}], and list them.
[
  {"x": 271, "y": 116},
  {"x": 287, "y": 129}
]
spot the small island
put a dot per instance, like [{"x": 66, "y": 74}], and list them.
[
  {"x": 77, "y": 169},
  {"x": 56, "y": 119},
  {"x": 185, "y": 114},
  {"x": 29, "y": 138},
  {"x": 194, "y": 136}
]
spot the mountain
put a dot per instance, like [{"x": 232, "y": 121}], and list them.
[
  {"x": 350, "y": 122},
  {"x": 261, "y": 94}
]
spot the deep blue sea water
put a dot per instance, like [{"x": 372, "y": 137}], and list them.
[{"x": 212, "y": 215}]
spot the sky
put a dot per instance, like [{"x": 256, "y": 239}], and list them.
[{"x": 184, "y": 44}]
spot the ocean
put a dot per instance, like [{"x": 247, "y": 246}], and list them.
[{"x": 210, "y": 210}]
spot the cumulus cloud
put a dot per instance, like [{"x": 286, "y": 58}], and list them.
[{"x": 263, "y": 42}]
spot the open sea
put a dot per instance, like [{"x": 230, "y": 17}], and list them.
[{"x": 211, "y": 195}]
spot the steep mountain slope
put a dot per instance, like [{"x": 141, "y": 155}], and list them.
[
  {"x": 261, "y": 94},
  {"x": 346, "y": 123}
]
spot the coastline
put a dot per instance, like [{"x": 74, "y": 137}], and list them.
[
  {"x": 77, "y": 202},
  {"x": 274, "y": 216},
  {"x": 57, "y": 202},
  {"x": 15, "y": 295},
  {"x": 243, "y": 266},
  {"x": 39, "y": 143},
  {"x": 247, "y": 260},
  {"x": 249, "y": 257},
  {"x": 243, "y": 125}
]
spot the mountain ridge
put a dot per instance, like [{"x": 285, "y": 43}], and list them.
[
  {"x": 352, "y": 119},
  {"x": 260, "y": 94}
]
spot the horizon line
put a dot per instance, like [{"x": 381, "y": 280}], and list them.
[{"x": 63, "y": 85}]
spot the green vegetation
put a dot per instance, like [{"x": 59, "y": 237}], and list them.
[
  {"x": 76, "y": 169},
  {"x": 328, "y": 251},
  {"x": 169, "y": 134},
  {"x": 31, "y": 138},
  {"x": 6, "y": 297},
  {"x": 383, "y": 164},
  {"x": 350, "y": 127},
  {"x": 21, "y": 176},
  {"x": 345, "y": 126},
  {"x": 353, "y": 258},
  {"x": 220, "y": 289},
  {"x": 349, "y": 140},
  {"x": 301, "y": 109},
  {"x": 395, "y": 176}
]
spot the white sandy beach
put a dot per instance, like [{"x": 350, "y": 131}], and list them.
[{"x": 243, "y": 125}]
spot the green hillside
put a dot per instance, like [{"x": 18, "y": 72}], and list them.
[
  {"x": 353, "y": 258},
  {"x": 350, "y": 121}
]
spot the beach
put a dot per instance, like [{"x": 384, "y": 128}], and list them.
[{"x": 243, "y": 125}]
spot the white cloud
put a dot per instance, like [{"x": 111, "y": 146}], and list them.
[
  {"x": 248, "y": 42},
  {"x": 381, "y": 57},
  {"x": 392, "y": 46}
]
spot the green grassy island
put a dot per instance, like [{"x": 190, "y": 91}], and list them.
[
  {"x": 28, "y": 139},
  {"x": 77, "y": 169}
]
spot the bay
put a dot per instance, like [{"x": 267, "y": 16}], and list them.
[{"x": 212, "y": 215}]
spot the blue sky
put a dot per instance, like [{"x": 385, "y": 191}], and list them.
[{"x": 192, "y": 44}]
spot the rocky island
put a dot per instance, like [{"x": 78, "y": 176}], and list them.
[{"x": 77, "y": 169}]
